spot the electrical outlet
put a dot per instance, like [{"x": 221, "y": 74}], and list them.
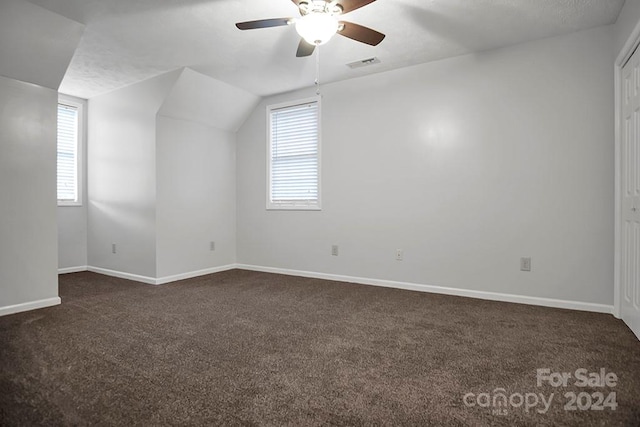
[
  {"x": 113, "y": 248},
  {"x": 399, "y": 254},
  {"x": 334, "y": 250},
  {"x": 525, "y": 264},
  {"x": 212, "y": 246}
]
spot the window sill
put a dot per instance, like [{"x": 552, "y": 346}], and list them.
[
  {"x": 69, "y": 204},
  {"x": 293, "y": 208}
]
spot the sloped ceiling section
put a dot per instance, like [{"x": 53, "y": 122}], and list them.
[
  {"x": 145, "y": 97},
  {"x": 186, "y": 95},
  {"x": 203, "y": 99},
  {"x": 36, "y": 45}
]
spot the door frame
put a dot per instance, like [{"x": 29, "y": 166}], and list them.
[{"x": 628, "y": 49}]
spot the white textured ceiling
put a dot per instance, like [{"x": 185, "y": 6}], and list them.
[{"x": 127, "y": 41}]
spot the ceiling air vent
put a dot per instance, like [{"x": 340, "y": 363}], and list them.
[{"x": 364, "y": 63}]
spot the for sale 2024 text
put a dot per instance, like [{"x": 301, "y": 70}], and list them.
[{"x": 583, "y": 401}]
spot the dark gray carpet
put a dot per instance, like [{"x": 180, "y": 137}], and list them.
[{"x": 253, "y": 348}]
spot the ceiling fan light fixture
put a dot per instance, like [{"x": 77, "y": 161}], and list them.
[{"x": 317, "y": 28}]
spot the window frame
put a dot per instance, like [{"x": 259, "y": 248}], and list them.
[
  {"x": 294, "y": 205},
  {"x": 79, "y": 105}
]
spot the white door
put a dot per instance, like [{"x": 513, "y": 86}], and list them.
[{"x": 630, "y": 197}]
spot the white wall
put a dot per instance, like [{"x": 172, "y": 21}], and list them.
[
  {"x": 28, "y": 245},
  {"x": 196, "y": 190},
  {"x": 467, "y": 164},
  {"x": 162, "y": 188},
  {"x": 72, "y": 220},
  {"x": 122, "y": 177},
  {"x": 195, "y": 197},
  {"x": 72, "y": 237}
]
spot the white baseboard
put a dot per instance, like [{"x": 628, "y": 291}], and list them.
[
  {"x": 122, "y": 275},
  {"x": 191, "y": 274},
  {"x": 160, "y": 280},
  {"x": 492, "y": 296},
  {"x": 26, "y": 306},
  {"x": 67, "y": 270}
]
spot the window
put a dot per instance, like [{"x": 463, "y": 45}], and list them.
[
  {"x": 69, "y": 150},
  {"x": 293, "y": 180}
]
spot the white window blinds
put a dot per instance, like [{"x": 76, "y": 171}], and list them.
[
  {"x": 67, "y": 153},
  {"x": 294, "y": 163}
]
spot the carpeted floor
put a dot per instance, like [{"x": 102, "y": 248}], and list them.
[{"x": 251, "y": 348}]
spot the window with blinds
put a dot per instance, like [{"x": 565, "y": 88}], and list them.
[
  {"x": 294, "y": 156},
  {"x": 68, "y": 143}
]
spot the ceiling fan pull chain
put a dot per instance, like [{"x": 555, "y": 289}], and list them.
[{"x": 318, "y": 70}]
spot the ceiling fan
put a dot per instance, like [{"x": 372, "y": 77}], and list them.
[{"x": 319, "y": 22}]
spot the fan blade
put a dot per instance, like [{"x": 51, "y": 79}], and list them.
[
  {"x": 305, "y": 49},
  {"x": 264, "y": 23},
  {"x": 360, "y": 33},
  {"x": 350, "y": 5}
]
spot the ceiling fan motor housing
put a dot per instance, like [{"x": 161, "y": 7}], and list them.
[{"x": 320, "y": 6}]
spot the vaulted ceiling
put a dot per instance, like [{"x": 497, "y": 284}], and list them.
[{"x": 127, "y": 41}]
